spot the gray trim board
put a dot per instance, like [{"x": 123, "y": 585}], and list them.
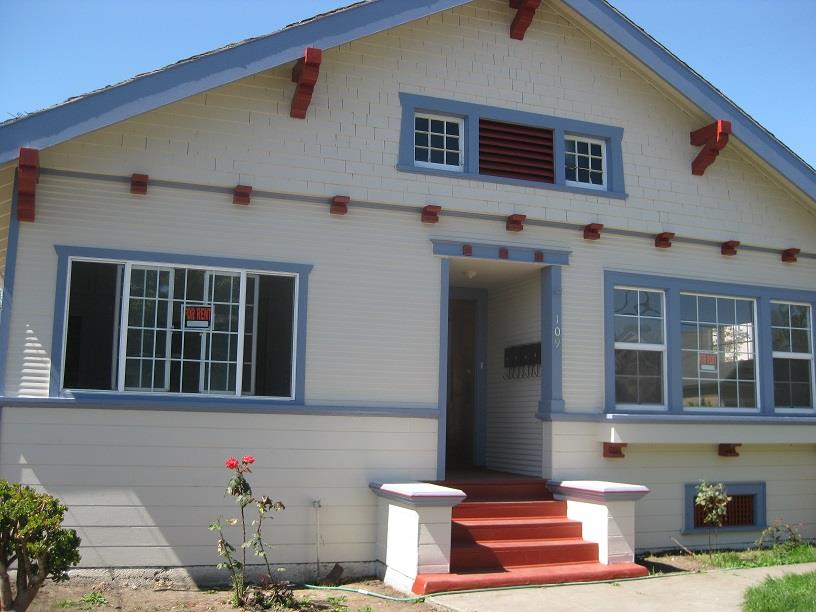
[{"x": 112, "y": 401}]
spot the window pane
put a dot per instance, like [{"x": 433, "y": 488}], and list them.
[
  {"x": 651, "y": 331},
  {"x": 583, "y": 148},
  {"x": 421, "y": 140},
  {"x": 650, "y": 390},
  {"x": 626, "y": 362},
  {"x": 800, "y": 342},
  {"x": 781, "y": 339},
  {"x": 626, "y": 390},
  {"x": 596, "y": 150},
  {"x": 626, "y": 329},
  {"x": 421, "y": 154},
  {"x": 92, "y": 327},
  {"x": 780, "y": 314},
  {"x": 722, "y": 363},
  {"x": 421, "y": 123},
  {"x": 800, "y": 316},
  {"x": 453, "y": 128},
  {"x": 437, "y": 157},
  {"x": 650, "y": 363},
  {"x": 626, "y": 301}
]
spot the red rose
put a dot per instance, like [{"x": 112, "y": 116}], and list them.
[
  {"x": 231, "y": 463},
  {"x": 248, "y": 459}
]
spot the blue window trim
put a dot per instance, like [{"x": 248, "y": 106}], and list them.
[
  {"x": 64, "y": 257},
  {"x": 470, "y": 113},
  {"x": 673, "y": 287},
  {"x": 757, "y": 489}
]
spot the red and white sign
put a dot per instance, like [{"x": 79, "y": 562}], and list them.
[
  {"x": 197, "y": 317},
  {"x": 708, "y": 362}
]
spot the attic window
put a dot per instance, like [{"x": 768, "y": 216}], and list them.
[
  {"x": 585, "y": 162},
  {"x": 438, "y": 142},
  {"x": 516, "y": 151}
]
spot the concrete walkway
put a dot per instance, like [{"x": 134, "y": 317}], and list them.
[{"x": 712, "y": 590}]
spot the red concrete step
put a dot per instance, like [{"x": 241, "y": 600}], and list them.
[
  {"x": 552, "y": 574},
  {"x": 518, "y": 489},
  {"x": 524, "y": 528},
  {"x": 507, "y": 509},
  {"x": 515, "y": 553}
]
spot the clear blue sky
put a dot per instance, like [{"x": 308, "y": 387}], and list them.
[{"x": 759, "y": 52}]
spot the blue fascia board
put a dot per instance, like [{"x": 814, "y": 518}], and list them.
[
  {"x": 188, "y": 78},
  {"x": 688, "y": 418},
  {"x": 66, "y": 254},
  {"x": 471, "y": 112},
  {"x": 188, "y": 403},
  {"x": 658, "y": 59},
  {"x": 453, "y": 248}
]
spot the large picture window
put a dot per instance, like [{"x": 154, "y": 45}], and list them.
[
  {"x": 155, "y": 328},
  {"x": 640, "y": 347},
  {"x": 719, "y": 365}
]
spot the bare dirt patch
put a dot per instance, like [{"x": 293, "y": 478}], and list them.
[{"x": 66, "y": 596}]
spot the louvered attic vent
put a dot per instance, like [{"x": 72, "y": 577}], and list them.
[{"x": 516, "y": 151}]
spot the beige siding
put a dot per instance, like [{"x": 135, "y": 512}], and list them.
[
  {"x": 513, "y": 433},
  {"x": 6, "y": 192},
  {"x": 789, "y": 471},
  {"x": 373, "y": 284},
  {"x": 142, "y": 487}
]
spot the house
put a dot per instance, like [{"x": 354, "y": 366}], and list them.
[{"x": 397, "y": 243}]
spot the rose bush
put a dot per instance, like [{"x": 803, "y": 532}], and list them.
[{"x": 239, "y": 488}]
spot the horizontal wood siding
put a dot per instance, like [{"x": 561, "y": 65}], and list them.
[
  {"x": 514, "y": 435},
  {"x": 142, "y": 487},
  {"x": 788, "y": 470}
]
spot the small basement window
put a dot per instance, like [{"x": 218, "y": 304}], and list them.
[
  {"x": 585, "y": 162},
  {"x": 745, "y": 511},
  {"x": 171, "y": 329},
  {"x": 438, "y": 142}
]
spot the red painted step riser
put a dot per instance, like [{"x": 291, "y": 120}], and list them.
[
  {"x": 518, "y": 492},
  {"x": 478, "y": 557},
  {"x": 462, "y": 533},
  {"x": 467, "y": 510},
  {"x": 438, "y": 583}
]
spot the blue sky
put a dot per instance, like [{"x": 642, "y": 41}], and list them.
[{"x": 759, "y": 52}]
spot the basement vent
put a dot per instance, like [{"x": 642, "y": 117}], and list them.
[
  {"x": 516, "y": 151},
  {"x": 740, "y": 513}
]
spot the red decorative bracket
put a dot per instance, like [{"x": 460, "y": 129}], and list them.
[
  {"x": 467, "y": 250},
  {"x": 790, "y": 255},
  {"x": 504, "y": 253},
  {"x": 138, "y": 183},
  {"x": 430, "y": 213},
  {"x": 729, "y": 247},
  {"x": 614, "y": 450},
  {"x": 241, "y": 194},
  {"x": 538, "y": 256},
  {"x": 515, "y": 223},
  {"x": 592, "y": 231},
  {"x": 525, "y": 11},
  {"x": 713, "y": 139},
  {"x": 728, "y": 450},
  {"x": 664, "y": 240},
  {"x": 305, "y": 74},
  {"x": 28, "y": 175},
  {"x": 339, "y": 205}
]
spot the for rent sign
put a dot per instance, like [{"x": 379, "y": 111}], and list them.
[{"x": 197, "y": 317}]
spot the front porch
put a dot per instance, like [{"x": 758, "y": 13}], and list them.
[{"x": 504, "y": 530}]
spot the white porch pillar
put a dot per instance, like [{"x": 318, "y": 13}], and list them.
[
  {"x": 414, "y": 530},
  {"x": 606, "y": 511}
]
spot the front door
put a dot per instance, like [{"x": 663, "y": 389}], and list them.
[{"x": 461, "y": 383}]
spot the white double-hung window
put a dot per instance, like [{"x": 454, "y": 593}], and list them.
[
  {"x": 792, "y": 340},
  {"x": 155, "y": 328},
  {"x": 640, "y": 347}
]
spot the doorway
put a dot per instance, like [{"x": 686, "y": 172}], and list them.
[{"x": 465, "y": 432}]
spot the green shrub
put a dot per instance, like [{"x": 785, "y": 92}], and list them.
[{"x": 32, "y": 536}]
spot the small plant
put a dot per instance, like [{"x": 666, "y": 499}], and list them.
[
  {"x": 713, "y": 499},
  {"x": 338, "y": 603},
  {"x": 94, "y": 598},
  {"x": 32, "y": 536},
  {"x": 274, "y": 592},
  {"x": 779, "y": 534}
]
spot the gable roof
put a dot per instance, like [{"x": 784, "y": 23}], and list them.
[{"x": 203, "y": 72}]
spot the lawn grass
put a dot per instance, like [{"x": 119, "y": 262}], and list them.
[
  {"x": 784, "y": 554},
  {"x": 791, "y": 593}
]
